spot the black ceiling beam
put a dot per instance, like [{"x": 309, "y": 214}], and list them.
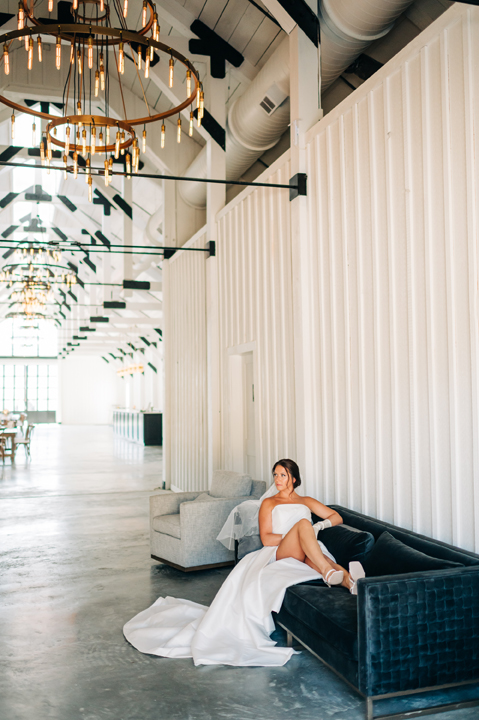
[
  {"x": 136, "y": 285},
  {"x": 4, "y": 18},
  {"x": 213, "y": 127},
  {"x": 103, "y": 239},
  {"x": 38, "y": 195},
  {"x": 9, "y": 197},
  {"x": 152, "y": 367},
  {"x": 127, "y": 209},
  {"x": 147, "y": 342},
  {"x": 67, "y": 202},
  {"x": 212, "y": 45},
  {"x": 114, "y": 305},
  {"x": 304, "y": 17},
  {"x": 100, "y": 199},
  {"x": 10, "y": 152}
]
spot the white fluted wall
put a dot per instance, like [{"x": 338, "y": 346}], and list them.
[
  {"x": 255, "y": 292},
  {"x": 393, "y": 175},
  {"x": 185, "y": 427}
]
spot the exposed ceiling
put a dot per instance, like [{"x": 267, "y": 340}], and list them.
[{"x": 62, "y": 204}]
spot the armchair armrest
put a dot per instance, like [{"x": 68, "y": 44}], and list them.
[
  {"x": 418, "y": 630},
  {"x": 169, "y": 503}
]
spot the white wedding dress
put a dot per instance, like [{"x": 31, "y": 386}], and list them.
[{"x": 236, "y": 628}]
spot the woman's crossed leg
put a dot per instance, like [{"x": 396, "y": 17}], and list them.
[{"x": 301, "y": 544}]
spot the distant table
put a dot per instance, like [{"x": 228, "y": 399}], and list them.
[{"x": 10, "y": 447}]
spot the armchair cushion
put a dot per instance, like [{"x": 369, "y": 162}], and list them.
[
  {"x": 390, "y": 555},
  {"x": 204, "y": 497},
  {"x": 168, "y": 524},
  {"x": 228, "y": 484}
]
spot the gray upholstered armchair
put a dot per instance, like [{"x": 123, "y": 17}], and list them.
[{"x": 184, "y": 526}]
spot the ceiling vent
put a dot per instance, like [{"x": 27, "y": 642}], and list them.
[{"x": 273, "y": 98}]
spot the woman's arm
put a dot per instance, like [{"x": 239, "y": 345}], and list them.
[
  {"x": 323, "y": 511},
  {"x": 268, "y": 537}
]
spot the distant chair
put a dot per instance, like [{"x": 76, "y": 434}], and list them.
[{"x": 26, "y": 440}]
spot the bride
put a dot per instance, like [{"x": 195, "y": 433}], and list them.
[{"x": 236, "y": 628}]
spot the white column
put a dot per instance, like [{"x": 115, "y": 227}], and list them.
[
  {"x": 305, "y": 112},
  {"x": 215, "y": 201}
]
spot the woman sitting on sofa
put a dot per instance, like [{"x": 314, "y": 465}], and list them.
[{"x": 236, "y": 628}]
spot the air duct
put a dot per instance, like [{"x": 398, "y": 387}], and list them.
[{"x": 261, "y": 115}]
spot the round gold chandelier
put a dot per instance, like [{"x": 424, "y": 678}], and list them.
[{"x": 85, "y": 44}]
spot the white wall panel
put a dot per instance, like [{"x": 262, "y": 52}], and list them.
[
  {"x": 255, "y": 303},
  {"x": 185, "y": 431},
  {"x": 393, "y": 182}
]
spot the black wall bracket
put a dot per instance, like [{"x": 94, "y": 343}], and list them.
[
  {"x": 211, "y": 246},
  {"x": 298, "y": 185}
]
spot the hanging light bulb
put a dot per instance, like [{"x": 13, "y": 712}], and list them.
[
  {"x": 163, "y": 133},
  {"x": 42, "y": 152},
  {"x": 102, "y": 72},
  {"x": 83, "y": 140},
  {"x": 90, "y": 189},
  {"x": 151, "y": 51},
  {"x": 50, "y": 5},
  {"x": 155, "y": 32},
  {"x": 190, "y": 129},
  {"x": 13, "y": 126},
  {"x": 117, "y": 145},
  {"x": 58, "y": 53},
  {"x": 26, "y": 38},
  {"x": 40, "y": 49},
  {"x": 171, "y": 71},
  {"x": 75, "y": 165},
  {"x": 107, "y": 175},
  {"x": 178, "y": 132},
  {"x": 93, "y": 140},
  {"x": 102, "y": 5},
  {"x": 125, "y": 8},
  {"x": 87, "y": 170},
  {"x": 128, "y": 165},
  {"x": 143, "y": 140},
  {"x": 147, "y": 65},
  {"x": 122, "y": 150},
  {"x": 107, "y": 133},
  {"x": 188, "y": 83},
  {"x": 202, "y": 104},
  {"x": 20, "y": 17},
  {"x": 90, "y": 52},
  {"x": 6, "y": 60},
  {"x": 121, "y": 59},
  {"x": 100, "y": 140},
  {"x": 75, "y": 4},
  {"x": 140, "y": 58},
  {"x": 65, "y": 167},
  {"x": 97, "y": 83},
  {"x": 34, "y": 135},
  {"x": 144, "y": 14},
  {"x": 198, "y": 95},
  {"x": 79, "y": 62},
  {"x": 198, "y": 118},
  {"x": 30, "y": 53},
  {"x": 67, "y": 140}
]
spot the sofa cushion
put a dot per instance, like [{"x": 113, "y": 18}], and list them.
[
  {"x": 390, "y": 556},
  {"x": 346, "y": 543},
  {"x": 226, "y": 483},
  {"x": 330, "y": 613},
  {"x": 168, "y": 525}
]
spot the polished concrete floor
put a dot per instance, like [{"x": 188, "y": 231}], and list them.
[{"x": 75, "y": 565}]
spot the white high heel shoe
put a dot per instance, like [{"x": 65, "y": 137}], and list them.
[
  {"x": 356, "y": 571},
  {"x": 333, "y": 577}
]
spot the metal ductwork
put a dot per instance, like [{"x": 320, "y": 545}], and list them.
[{"x": 261, "y": 115}]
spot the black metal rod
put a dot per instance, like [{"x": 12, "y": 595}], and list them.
[
  {"x": 101, "y": 248},
  {"x": 99, "y": 172}
]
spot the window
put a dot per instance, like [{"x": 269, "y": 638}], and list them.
[
  {"x": 28, "y": 338},
  {"x": 29, "y": 388}
]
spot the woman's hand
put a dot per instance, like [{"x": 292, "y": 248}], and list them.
[
  {"x": 268, "y": 537},
  {"x": 329, "y": 516}
]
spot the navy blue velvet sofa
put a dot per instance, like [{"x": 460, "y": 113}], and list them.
[{"x": 408, "y": 642}]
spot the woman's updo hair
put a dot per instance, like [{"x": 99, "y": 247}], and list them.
[{"x": 292, "y": 468}]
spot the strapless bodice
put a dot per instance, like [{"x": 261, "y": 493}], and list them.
[{"x": 285, "y": 516}]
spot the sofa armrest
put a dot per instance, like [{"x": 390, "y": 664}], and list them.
[
  {"x": 418, "y": 630},
  {"x": 202, "y": 521},
  {"x": 169, "y": 503}
]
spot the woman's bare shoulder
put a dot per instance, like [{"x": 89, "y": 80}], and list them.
[{"x": 268, "y": 502}]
